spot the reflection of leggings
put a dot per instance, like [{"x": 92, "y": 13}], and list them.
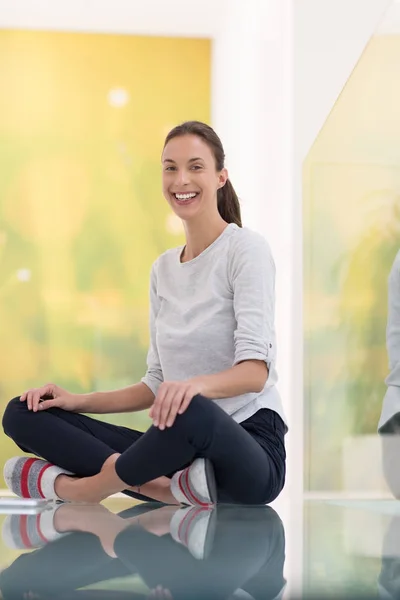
[
  {"x": 389, "y": 578},
  {"x": 390, "y": 440},
  {"x": 71, "y": 562},
  {"x": 248, "y": 459},
  {"x": 248, "y": 552}
]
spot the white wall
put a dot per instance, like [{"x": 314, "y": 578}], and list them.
[
  {"x": 252, "y": 111},
  {"x": 139, "y": 17},
  {"x": 330, "y": 37}
]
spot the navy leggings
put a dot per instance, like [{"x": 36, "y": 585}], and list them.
[{"x": 248, "y": 458}]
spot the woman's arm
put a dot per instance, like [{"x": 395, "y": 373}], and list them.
[
  {"x": 130, "y": 399},
  {"x": 252, "y": 278},
  {"x": 174, "y": 397},
  {"x": 245, "y": 377}
]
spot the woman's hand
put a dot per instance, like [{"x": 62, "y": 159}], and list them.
[
  {"x": 49, "y": 396},
  {"x": 173, "y": 398}
]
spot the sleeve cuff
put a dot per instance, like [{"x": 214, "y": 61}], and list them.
[
  {"x": 152, "y": 383},
  {"x": 251, "y": 355}
]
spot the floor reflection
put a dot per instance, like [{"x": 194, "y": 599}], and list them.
[
  {"x": 146, "y": 551},
  {"x": 389, "y": 578}
]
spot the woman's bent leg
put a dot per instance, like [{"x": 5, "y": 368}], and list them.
[
  {"x": 72, "y": 441},
  {"x": 75, "y": 442},
  {"x": 245, "y": 472}
]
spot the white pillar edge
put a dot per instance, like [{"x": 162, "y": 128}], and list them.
[{"x": 252, "y": 111}]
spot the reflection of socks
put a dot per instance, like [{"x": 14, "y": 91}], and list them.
[
  {"x": 23, "y": 532},
  {"x": 195, "y": 485},
  {"x": 194, "y": 527},
  {"x": 32, "y": 477}
]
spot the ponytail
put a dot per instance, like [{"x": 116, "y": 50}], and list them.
[{"x": 228, "y": 204}]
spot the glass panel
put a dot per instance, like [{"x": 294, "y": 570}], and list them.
[{"x": 352, "y": 235}]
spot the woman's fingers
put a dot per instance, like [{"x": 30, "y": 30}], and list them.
[
  {"x": 172, "y": 399},
  {"x": 170, "y": 407},
  {"x": 36, "y": 399},
  {"x": 156, "y": 408},
  {"x": 29, "y": 399},
  {"x": 165, "y": 408},
  {"x": 33, "y": 396},
  {"x": 186, "y": 401},
  {"x": 46, "y": 404},
  {"x": 175, "y": 408}
]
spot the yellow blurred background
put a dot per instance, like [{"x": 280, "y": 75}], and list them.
[{"x": 83, "y": 119}]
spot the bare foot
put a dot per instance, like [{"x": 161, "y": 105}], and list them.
[
  {"x": 95, "y": 519},
  {"x": 79, "y": 517},
  {"x": 156, "y": 521}
]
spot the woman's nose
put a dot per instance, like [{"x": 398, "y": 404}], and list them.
[{"x": 182, "y": 178}]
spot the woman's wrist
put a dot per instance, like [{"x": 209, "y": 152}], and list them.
[{"x": 202, "y": 384}]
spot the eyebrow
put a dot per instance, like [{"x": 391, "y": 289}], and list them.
[{"x": 169, "y": 160}]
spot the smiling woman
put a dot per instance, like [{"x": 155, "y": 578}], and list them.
[
  {"x": 204, "y": 170},
  {"x": 218, "y": 424}
]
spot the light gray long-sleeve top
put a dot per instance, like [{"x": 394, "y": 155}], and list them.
[
  {"x": 391, "y": 402},
  {"x": 212, "y": 312}
]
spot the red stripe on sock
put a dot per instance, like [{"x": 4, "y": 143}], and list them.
[
  {"x": 183, "y": 489},
  {"x": 23, "y": 531},
  {"x": 193, "y": 498},
  {"x": 191, "y": 491},
  {"x": 24, "y": 477},
  {"x": 39, "y": 529},
  {"x": 184, "y": 527},
  {"x": 39, "y": 483}
]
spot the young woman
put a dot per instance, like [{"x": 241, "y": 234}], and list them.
[{"x": 218, "y": 425}]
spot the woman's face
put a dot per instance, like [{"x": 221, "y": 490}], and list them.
[{"x": 190, "y": 178}]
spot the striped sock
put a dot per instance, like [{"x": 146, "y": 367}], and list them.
[
  {"x": 25, "y": 532},
  {"x": 32, "y": 477},
  {"x": 194, "y": 527},
  {"x": 195, "y": 485}
]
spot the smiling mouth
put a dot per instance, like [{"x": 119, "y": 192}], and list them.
[{"x": 185, "y": 198}]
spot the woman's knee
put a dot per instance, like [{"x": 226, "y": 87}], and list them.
[
  {"x": 200, "y": 409},
  {"x": 200, "y": 417},
  {"x": 14, "y": 409}
]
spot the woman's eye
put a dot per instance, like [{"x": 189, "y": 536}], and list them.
[
  {"x": 169, "y": 168},
  {"x": 196, "y": 167}
]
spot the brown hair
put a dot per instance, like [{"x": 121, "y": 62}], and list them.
[{"x": 228, "y": 202}]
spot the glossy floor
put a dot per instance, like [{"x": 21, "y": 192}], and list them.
[{"x": 347, "y": 549}]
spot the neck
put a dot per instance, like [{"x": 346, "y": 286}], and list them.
[{"x": 200, "y": 235}]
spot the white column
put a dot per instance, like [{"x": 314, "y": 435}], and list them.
[
  {"x": 252, "y": 93},
  {"x": 252, "y": 113}
]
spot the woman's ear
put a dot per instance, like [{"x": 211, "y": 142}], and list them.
[{"x": 223, "y": 177}]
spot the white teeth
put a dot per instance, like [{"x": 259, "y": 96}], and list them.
[{"x": 185, "y": 196}]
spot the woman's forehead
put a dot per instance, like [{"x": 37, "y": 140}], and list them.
[{"x": 187, "y": 147}]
